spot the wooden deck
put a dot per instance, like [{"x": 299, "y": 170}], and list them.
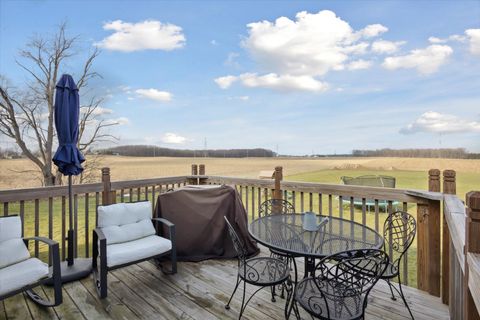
[{"x": 197, "y": 291}]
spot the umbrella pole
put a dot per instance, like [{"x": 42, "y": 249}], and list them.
[{"x": 70, "y": 234}]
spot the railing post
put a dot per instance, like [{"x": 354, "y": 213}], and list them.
[
  {"x": 428, "y": 254},
  {"x": 278, "y": 176},
  {"x": 449, "y": 187},
  {"x": 196, "y": 180},
  {"x": 107, "y": 192},
  {"x": 201, "y": 172},
  {"x": 194, "y": 170},
  {"x": 472, "y": 245}
]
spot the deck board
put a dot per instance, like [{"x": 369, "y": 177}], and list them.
[{"x": 198, "y": 291}]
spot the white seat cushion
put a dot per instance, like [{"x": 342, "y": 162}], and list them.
[
  {"x": 121, "y": 253},
  {"x": 125, "y": 222},
  {"x": 22, "y": 274},
  {"x": 12, "y": 247}
]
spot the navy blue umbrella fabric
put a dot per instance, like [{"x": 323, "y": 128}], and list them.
[{"x": 68, "y": 158}]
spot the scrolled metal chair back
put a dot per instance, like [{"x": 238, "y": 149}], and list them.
[
  {"x": 238, "y": 244},
  {"x": 399, "y": 232},
  {"x": 346, "y": 278},
  {"x": 275, "y": 206}
]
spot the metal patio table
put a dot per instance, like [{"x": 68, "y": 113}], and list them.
[{"x": 285, "y": 233}]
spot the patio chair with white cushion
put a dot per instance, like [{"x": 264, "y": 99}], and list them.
[
  {"x": 19, "y": 271},
  {"x": 126, "y": 235}
]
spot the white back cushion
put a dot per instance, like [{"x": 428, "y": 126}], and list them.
[
  {"x": 12, "y": 247},
  {"x": 123, "y": 222}
]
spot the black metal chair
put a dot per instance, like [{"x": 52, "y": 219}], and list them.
[
  {"x": 399, "y": 231},
  {"x": 260, "y": 271},
  {"x": 277, "y": 206},
  {"x": 19, "y": 272},
  {"x": 341, "y": 283}
]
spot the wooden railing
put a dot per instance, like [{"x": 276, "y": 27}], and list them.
[
  {"x": 44, "y": 211},
  {"x": 362, "y": 204},
  {"x": 461, "y": 254}
]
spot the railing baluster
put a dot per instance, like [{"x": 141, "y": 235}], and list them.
[
  {"x": 37, "y": 224},
  {"x": 75, "y": 221},
  {"x": 64, "y": 231},
  {"x": 266, "y": 194},
  {"x": 139, "y": 192},
  {"x": 253, "y": 203},
  {"x": 97, "y": 203},
  {"x": 130, "y": 195},
  {"x": 50, "y": 224},
  {"x": 241, "y": 193},
  {"x": 390, "y": 249},
  {"x": 320, "y": 205},
  {"x": 302, "y": 201},
  {"x": 122, "y": 195},
  {"x": 5, "y": 208},
  {"x": 364, "y": 218},
  {"x": 259, "y": 198},
  {"x": 22, "y": 215},
  {"x": 246, "y": 199},
  {"x": 294, "y": 200},
  {"x": 352, "y": 209},
  {"x": 87, "y": 242},
  {"x": 405, "y": 258},
  {"x": 377, "y": 214},
  {"x": 330, "y": 205},
  {"x": 340, "y": 213},
  {"x": 154, "y": 198},
  {"x": 146, "y": 193},
  {"x": 310, "y": 201}
]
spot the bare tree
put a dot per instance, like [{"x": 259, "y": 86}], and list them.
[{"x": 27, "y": 114}]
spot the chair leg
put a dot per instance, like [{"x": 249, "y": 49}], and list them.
[
  {"x": 227, "y": 306},
  {"x": 403, "y": 297},
  {"x": 391, "y": 290},
  {"x": 243, "y": 300}
]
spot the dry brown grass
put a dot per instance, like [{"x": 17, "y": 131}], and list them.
[{"x": 15, "y": 174}]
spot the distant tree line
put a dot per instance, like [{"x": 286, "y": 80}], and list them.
[
  {"x": 450, "y": 153},
  {"x": 6, "y": 153},
  {"x": 154, "y": 151}
]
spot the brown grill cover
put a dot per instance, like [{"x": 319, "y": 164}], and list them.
[{"x": 201, "y": 232}]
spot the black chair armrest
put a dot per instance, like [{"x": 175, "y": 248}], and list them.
[
  {"x": 48, "y": 241},
  {"x": 171, "y": 227},
  {"x": 164, "y": 221},
  {"x": 99, "y": 233}
]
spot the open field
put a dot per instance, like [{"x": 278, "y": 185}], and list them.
[{"x": 20, "y": 173}]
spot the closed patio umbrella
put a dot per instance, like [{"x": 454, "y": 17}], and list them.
[{"x": 69, "y": 160}]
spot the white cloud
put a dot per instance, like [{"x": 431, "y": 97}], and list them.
[
  {"x": 283, "y": 82},
  {"x": 359, "y": 65},
  {"x": 173, "y": 138},
  {"x": 384, "y": 46},
  {"x": 154, "y": 94},
  {"x": 243, "y": 98},
  {"x": 311, "y": 45},
  {"x": 373, "y": 30},
  {"x": 145, "y": 35},
  {"x": 98, "y": 111},
  {"x": 232, "y": 59},
  {"x": 437, "y": 40},
  {"x": 118, "y": 121},
  {"x": 474, "y": 40},
  {"x": 426, "y": 60},
  {"x": 226, "y": 81},
  {"x": 130, "y": 98},
  {"x": 441, "y": 123},
  {"x": 214, "y": 42}
]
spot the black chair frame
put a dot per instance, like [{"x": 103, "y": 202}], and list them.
[
  {"x": 100, "y": 248},
  {"x": 55, "y": 278},
  {"x": 399, "y": 232},
  {"x": 251, "y": 276},
  {"x": 355, "y": 273}
]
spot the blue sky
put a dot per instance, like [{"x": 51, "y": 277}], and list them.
[{"x": 306, "y": 76}]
